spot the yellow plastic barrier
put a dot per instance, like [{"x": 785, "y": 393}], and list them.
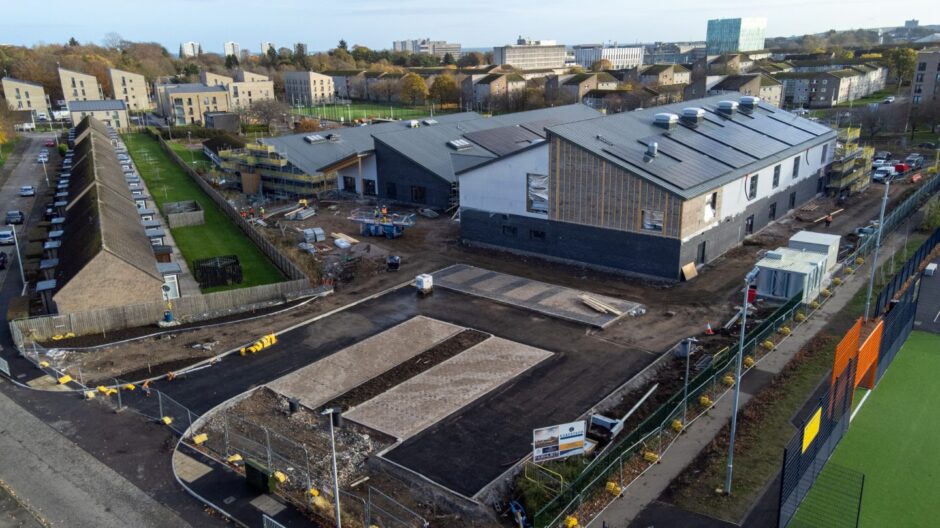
[
  {"x": 64, "y": 379},
  {"x": 166, "y": 420},
  {"x": 676, "y": 425},
  {"x": 43, "y": 364},
  {"x": 282, "y": 478},
  {"x": 613, "y": 488},
  {"x": 102, "y": 389},
  {"x": 571, "y": 522},
  {"x": 130, "y": 387},
  {"x": 313, "y": 492},
  {"x": 200, "y": 439},
  {"x": 650, "y": 456},
  {"x": 266, "y": 341},
  {"x": 89, "y": 395},
  {"x": 234, "y": 458}
]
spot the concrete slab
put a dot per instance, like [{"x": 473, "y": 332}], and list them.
[
  {"x": 444, "y": 389},
  {"x": 350, "y": 367},
  {"x": 549, "y": 299},
  {"x": 188, "y": 468}
]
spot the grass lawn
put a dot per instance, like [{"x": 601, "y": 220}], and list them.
[
  {"x": 361, "y": 110},
  {"x": 218, "y": 236},
  {"x": 6, "y": 149},
  {"x": 195, "y": 156},
  {"x": 875, "y": 97},
  {"x": 893, "y": 442}
]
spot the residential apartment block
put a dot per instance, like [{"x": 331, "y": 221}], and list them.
[
  {"x": 659, "y": 75},
  {"x": 78, "y": 86},
  {"x": 111, "y": 112},
  {"x": 829, "y": 88},
  {"x": 244, "y": 89},
  {"x": 308, "y": 88},
  {"x": 190, "y": 49},
  {"x": 132, "y": 88},
  {"x": 926, "y": 82},
  {"x": 231, "y": 48},
  {"x": 733, "y": 35},
  {"x": 25, "y": 95},
  {"x": 184, "y": 104},
  {"x": 652, "y": 191},
  {"x": 530, "y": 54},
  {"x": 768, "y": 89},
  {"x": 571, "y": 88},
  {"x": 437, "y": 48},
  {"x": 620, "y": 57},
  {"x": 492, "y": 90}
]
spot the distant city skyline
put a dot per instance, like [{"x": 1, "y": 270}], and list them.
[{"x": 376, "y": 24}]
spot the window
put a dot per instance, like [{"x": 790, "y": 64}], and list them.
[
  {"x": 349, "y": 184},
  {"x": 922, "y": 66},
  {"x": 749, "y": 225},
  {"x": 390, "y": 190},
  {"x": 652, "y": 220},
  {"x": 776, "y": 181},
  {"x": 919, "y": 77},
  {"x": 368, "y": 187},
  {"x": 418, "y": 194},
  {"x": 772, "y": 212},
  {"x": 509, "y": 230},
  {"x": 792, "y": 203},
  {"x": 711, "y": 203},
  {"x": 535, "y": 234},
  {"x": 752, "y": 187},
  {"x": 825, "y": 150},
  {"x": 537, "y": 193},
  {"x": 796, "y": 167}
]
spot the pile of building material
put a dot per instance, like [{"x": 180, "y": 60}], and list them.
[
  {"x": 302, "y": 213},
  {"x": 599, "y": 306}
]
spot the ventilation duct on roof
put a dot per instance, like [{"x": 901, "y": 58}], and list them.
[
  {"x": 749, "y": 102},
  {"x": 665, "y": 120},
  {"x": 315, "y": 138},
  {"x": 652, "y": 150},
  {"x": 412, "y": 123},
  {"x": 727, "y": 108},
  {"x": 333, "y": 137},
  {"x": 692, "y": 116},
  {"x": 459, "y": 144},
  {"x": 430, "y": 122}
]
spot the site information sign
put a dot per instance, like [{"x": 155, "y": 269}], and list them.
[{"x": 558, "y": 441}]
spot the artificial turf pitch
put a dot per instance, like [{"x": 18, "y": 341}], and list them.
[{"x": 893, "y": 441}]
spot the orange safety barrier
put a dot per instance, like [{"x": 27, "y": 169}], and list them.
[
  {"x": 868, "y": 358},
  {"x": 846, "y": 350}
]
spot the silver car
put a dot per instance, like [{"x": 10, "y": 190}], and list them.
[{"x": 6, "y": 237}]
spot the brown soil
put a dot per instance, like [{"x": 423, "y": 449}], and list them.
[{"x": 404, "y": 371}]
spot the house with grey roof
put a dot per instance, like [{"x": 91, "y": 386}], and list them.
[
  {"x": 111, "y": 112},
  {"x": 186, "y": 103},
  {"x": 651, "y": 192}
]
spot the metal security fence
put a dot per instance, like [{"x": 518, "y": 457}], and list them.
[
  {"x": 648, "y": 441},
  {"x": 809, "y": 449},
  {"x": 838, "y": 500},
  {"x": 898, "y": 324},
  {"x": 908, "y": 270}
]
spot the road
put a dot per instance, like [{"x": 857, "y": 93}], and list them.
[{"x": 75, "y": 462}]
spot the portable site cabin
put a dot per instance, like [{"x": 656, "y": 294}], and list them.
[
  {"x": 784, "y": 272},
  {"x": 818, "y": 243}
]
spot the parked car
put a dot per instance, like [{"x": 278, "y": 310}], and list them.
[
  {"x": 888, "y": 100},
  {"x": 27, "y": 190},
  {"x": 916, "y": 161},
  {"x": 14, "y": 217},
  {"x": 42, "y": 116},
  {"x": 882, "y": 155},
  {"x": 42, "y": 158},
  {"x": 6, "y": 237},
  {"x": 884, "y": 174},
  {"x": 927, "y": 145},
  {"x": 49, "y": 143},
  {"x": 875, "y": 164},
  {"x": 901, "y": 168}
]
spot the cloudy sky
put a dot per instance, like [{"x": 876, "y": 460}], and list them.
[{"x": 478, "y": 23}]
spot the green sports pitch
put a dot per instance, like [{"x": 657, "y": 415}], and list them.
[{"x": 893, "y": 442}]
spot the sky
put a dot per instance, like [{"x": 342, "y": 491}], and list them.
[{"x": 479, "y": 23}]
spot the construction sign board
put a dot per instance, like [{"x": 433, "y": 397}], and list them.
[{"x": 558, "y": 441}]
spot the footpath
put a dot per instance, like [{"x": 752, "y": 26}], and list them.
[{"x": 649, "y": 486}]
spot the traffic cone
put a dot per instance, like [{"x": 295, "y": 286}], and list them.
[{"x": 708, "y": 329}]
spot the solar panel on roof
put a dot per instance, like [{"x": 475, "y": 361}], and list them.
[
  {"x": 711, "y": 147},
  {"x": 723, "y": 131},
  {"x": 763, "y": 124},
  {"x": 667, "y": 167}
]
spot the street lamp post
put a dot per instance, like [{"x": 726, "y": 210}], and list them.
[
  {"x": 335, "y": 420},
  {"x": 45, "y": 173},
  {"x": 748, "y": 279},
  {"x": 874, "y": 260},
  {"x": 16, "y": 244}
]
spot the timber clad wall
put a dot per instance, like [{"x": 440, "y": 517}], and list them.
[
  {"x": 585, "y": 189},
  {"x": 693, "y": 214}
]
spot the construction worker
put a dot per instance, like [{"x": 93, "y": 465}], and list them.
[
  {"x": 261, "y": 210},
  {"x": 828, "y": 219}
]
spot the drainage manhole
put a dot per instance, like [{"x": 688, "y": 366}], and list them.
[{"x": 229, "y": 500}]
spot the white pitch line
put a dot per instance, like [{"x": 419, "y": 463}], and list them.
[
  {"x": 937, "y": 317},
  {"x": 859, "y": 408}
]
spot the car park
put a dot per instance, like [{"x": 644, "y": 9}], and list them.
[
  {"x": 27, "y": 190},
  {"x": 884, "y": 174},
  {"x": 14, "y": 217},
  {"x": 882, "y": 155},
  {"x": 42, "y": 158},
  {"x": 875, "y": 164},
  {"x": 916, "y": 161},
  {"x": 6, "y": 237},
  {"x": 901, "y": 167}
]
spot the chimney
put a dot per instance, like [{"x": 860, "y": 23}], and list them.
[
  {"x": 727, "y": 108},
  {"x": 692, "y": 116},
  {"x": 749, "y": 103},
  {"x": 666, "y": 120}
]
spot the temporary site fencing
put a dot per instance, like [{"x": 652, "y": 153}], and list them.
[
  {"x": 857, "y": 362},
  {"x": 624, "y": 460},
  {"x": 908, "y": 270},
  {"x": 839, "y": 505}
]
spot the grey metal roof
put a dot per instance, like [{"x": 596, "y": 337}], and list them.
[
  {"x": 696, "y": 159},
  {"x": 313, "y": 157},
  {"x": 104, "y": 105},
  {"x": 21, "y": 81},
  {"x": 194, "y": 88}
]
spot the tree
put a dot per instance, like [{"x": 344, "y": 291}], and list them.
[
  {"x": 444, "y": 89},
  {"x": 383, "y": 88},
  {"x": 449, "y": 59},
  {"x": 307, "y": 125},
  {"x": 268, "y": 111},
  {"x": 113, "y": 41},
  {"x": 902, "y": 62},
  {"x": 575, "y": 70},
  {"x": 601, "y": 65},
  {"x": 271, "y": 56},
  {"x": 342, "y": 45},
  {"x": 231, "y": 62},
  {"x": 299, "y": 57},
  {"x": 413, "y": 88},
  {"x": 198, "y": 49},
  {"x": 472, "y": 59},
  {"x": 74, "y": 43}
]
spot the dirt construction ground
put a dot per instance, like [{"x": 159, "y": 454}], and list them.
[{"x": 674, "y": 310}]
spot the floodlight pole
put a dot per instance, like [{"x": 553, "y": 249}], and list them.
[
  {"x": 16, "y": 244},
  {"x": 333, "y": 413},
  {"x": 874, "y": 260},
  {"x": 748, "y": 279}
]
